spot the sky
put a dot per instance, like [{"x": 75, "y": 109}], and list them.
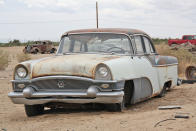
[{"x": 49, "y": 19}]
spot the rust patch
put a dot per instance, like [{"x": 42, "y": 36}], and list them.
[
  {"x": 108, "y": 30},
  {"x": 155, "y": 94},
  {"x": 76, "y": 65}
]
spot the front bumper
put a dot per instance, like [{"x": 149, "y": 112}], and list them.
[
  {"x": 66, "y": 97},
  {"x": 91, "y": 91}
]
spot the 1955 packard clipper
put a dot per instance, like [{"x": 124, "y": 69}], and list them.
[{"x": 112, "y": 66}]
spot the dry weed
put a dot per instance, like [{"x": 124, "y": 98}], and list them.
[
  {"x": 185, "y": 57},
  {"x": 3, "y": 60},
  {"x": 23, "y": 57}
]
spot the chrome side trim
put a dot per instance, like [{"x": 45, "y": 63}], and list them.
[
  {"x": 165, "y": 65},
  {"x": 63, "y": 77}
]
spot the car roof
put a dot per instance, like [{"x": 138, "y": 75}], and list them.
[{"x": 107, "y": 30}]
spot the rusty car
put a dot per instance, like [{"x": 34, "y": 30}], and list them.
[
  {"x": 40, "y": 47},
  {"x": 112, "y": 66}
]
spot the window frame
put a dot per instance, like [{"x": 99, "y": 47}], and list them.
[
  {"x": 128, "y": 37},
  {"x": 136, "y": 46},
  {"x": 152, "y": 45},
  {"x": 144, "y": 48}
]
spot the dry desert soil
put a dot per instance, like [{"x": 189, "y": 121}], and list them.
[{"x": 139, "y": 117}]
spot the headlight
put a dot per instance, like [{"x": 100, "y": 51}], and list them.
[
  {"x": 21, "y": 72},
  {"x": 103, "y": 73}
]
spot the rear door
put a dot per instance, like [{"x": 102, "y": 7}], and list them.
[{"x": 165, "y": 66}]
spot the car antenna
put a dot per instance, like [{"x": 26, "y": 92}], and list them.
[{"x": 97, "y": 15}]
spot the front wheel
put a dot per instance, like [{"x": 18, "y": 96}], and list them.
[
  {"x": 117, "y": 107},
  {"x": 33, "y": 110}
]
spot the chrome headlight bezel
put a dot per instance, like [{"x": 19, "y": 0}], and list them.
[
  {"x": 21, "y": 72},
  {"x": 103, "y": 73}
]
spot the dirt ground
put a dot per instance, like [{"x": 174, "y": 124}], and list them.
[{"x": 142, "y": 116}]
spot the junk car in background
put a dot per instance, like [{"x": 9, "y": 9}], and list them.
[
  {"x": 40, "y": 47},
  {"x": 115, "y": 67}
]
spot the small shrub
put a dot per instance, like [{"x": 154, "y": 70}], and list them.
[
  {"x": 23, "y": 57},
  {"x": 3, "y": 60},
  {"x": 185, "y": 57}
]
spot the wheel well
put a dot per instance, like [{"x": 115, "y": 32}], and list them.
[
  {"x": 128, "y": 90},
  {"x": 168, "y": 84}
]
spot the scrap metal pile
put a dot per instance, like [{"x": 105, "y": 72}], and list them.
[{"x": 187, "y": 46}]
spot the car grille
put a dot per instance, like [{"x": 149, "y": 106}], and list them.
[{"x": 61, "y": 84}]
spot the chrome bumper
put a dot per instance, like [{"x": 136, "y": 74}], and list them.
[
  {"x": 66, "y": 97},
  {"x": 93, "y": 94}
]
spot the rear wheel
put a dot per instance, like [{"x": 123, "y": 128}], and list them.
[
  {"x": 33, "y": 110},
  {"x": 163, "y": 92}
]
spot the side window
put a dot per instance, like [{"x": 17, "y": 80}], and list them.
[
  {"x": 148, "y": 46},
  {"x": 138, "y": 44}
]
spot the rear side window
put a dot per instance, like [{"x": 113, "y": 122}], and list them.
[
  {"x": 138, "y": 44},
  {"x": 148, "y": 46}
]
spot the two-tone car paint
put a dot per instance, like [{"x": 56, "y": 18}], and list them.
[{"x": 149, "y": 73}]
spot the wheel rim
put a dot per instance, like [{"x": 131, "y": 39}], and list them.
[{"x": 191, "y": 73}]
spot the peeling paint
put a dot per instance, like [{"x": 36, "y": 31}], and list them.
[{"x": 75, "y": 65}]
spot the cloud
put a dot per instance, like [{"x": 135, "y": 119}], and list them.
[
  {"x": 82, "y": 4},
  {"x": 2, "y": 2},
  {"x": 159, "y": 18},
  {"x": 55, "y": 4}
]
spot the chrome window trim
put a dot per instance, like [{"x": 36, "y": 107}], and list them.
[{"x": 143, "y": 35}]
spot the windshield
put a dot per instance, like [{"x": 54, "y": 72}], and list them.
[{"x": 95, "y": 43}]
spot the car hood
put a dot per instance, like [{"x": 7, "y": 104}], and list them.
[{"x": 75, "y": 65}]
